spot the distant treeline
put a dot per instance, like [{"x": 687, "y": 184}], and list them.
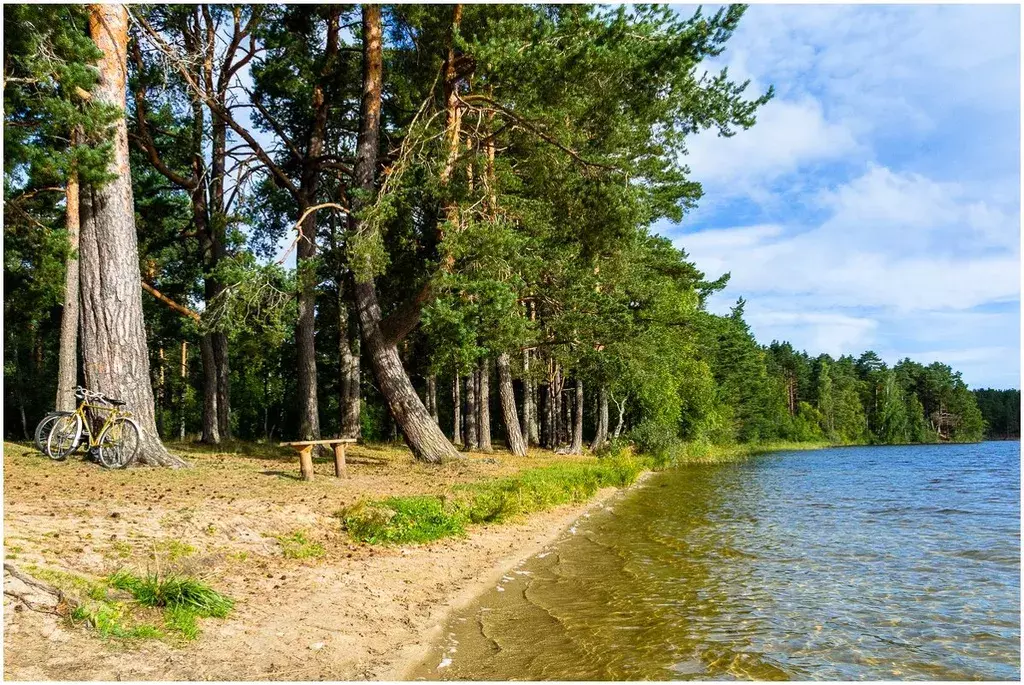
[{"x": 1001, "y": 411}]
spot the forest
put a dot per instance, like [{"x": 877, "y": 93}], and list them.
[{"x": 428, "y": 223}]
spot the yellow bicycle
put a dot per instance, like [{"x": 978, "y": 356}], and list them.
[{"x": 115, "y": 442}]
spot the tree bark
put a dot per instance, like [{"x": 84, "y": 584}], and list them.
[
  {"x": 513, "y": 434},
  {"x": 432, "y": 397},
  {"x": 456, "y": 410},
  {"x": 601, "y": 434},
  {"x": 348, "y": 364},
  {"x": 472, "y": 413},
  {"x": 423, "y": 436},
  {"x": 484, "y": 406},
  {"x": 181, "y": 390},
  {"x": 67, "y": 374},
  {"x": 524, "y": 427},
  {"x": 577, "y": 429},
  {"x": 211, "y": 426},
  {"x": 621, "y": 406},
  {"x": 114, "y": 350}
]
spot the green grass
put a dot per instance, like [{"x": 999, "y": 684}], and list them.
[
  {"x": 112, "y": 620},
  {"x": 423, "y": 518},
  {"x": 173, "y": 592},
  {"x": 297, "y": 546}
]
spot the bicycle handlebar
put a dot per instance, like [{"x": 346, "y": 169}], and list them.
[{"x": 85, "y": 393}]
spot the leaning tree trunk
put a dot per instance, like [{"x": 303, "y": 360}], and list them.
[
  {"x": 456, "y": 409},
  {"x": 424, "y": 436},
  {"x": 577, "y": 429},
  {"x": 513, "y": 434},
  {"x": 601, "y": 435},
  {"x": 114, "y": 350},
  {"x": 472, "y": 414},
  {"x": 67, "y": 375},
  {"x": 211, "y": 426},
  {"x": 484, "y": 406}
]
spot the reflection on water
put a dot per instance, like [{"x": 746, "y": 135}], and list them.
[{"x": 852, "y": 563}]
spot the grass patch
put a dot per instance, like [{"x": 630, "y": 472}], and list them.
[
  {"x": 173, "y": 550},
  {"x": 174, "y": 592},
  {"x": 297, "y": 546},
  {"x": 113, "y": 620},
  {"x": 428, "y": 517}
]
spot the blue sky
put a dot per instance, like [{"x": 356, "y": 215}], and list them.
[{"x": 876, "y": 204}]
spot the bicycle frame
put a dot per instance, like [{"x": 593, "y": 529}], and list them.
[{"x": 112, "y": 413}]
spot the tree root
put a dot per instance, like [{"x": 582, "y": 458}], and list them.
[{"x": 62, "y": 605}]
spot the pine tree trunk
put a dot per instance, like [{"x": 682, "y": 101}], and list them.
[
  {"x": 577, "y": 430},
  {"x": 115, "y": 357},
  {"x": 533, "y": 425},
  {"x": 456, "y": 410},
  {"x": 423, "y": 436},
  {"x": 513, "y": 433},
  {"x": 472, "y": 414},
  {"x": 484, "y": 406},
  {"x": 432, "y": 397},
  {"x": 67, "y": 374},
  {"x": 348, "y": 363},
  {"x": 353, "y": 424},
  {"x": 601, "y": 434},
  {"x": 524, "y": 427},
  {"x": 211, "y": 426},
  {"x": 161, "y": 393},
  {"x": 223, "y": 372},
  {"x": 181, "y": 390}
]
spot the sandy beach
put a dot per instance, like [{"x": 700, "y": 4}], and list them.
[{"x": 357, "y": 612}]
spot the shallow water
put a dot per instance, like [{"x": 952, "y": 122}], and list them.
[{"x": 850, "y": 563}]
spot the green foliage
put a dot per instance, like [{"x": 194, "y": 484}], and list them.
[{"x": 111, "y": 620}]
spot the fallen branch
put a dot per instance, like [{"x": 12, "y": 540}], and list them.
[
  {"x": 181, "y": 309},
  {"x": 62, "y": 604}
]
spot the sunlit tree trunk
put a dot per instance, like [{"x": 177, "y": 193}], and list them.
[
  {"x": 484, "y": 406},
  {"x": 421, "y": 433},
  {"x": 456, "y": 409},
  {"x": 513, "y": 434},
  {"x": 67, "y": 374},
  {"x": 601, "y": 434},
  {"x": 577, "y": 430},
  {"x": 116, "y": 360},
  {"x": 472, "y": 413}
]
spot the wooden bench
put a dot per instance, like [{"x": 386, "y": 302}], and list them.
[{"x": 305, "y": 450}]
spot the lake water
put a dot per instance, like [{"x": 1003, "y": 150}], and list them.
[{"x": 848, "y": 563}]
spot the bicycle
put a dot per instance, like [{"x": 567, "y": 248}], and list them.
[
  {"x": 45, "y": 425},
  {"x": 115, "y": 443}
]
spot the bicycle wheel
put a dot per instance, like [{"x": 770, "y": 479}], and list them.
[
  {"x": 119, "y": 443},
  {"x": 64, "y": 436},
  {"x": 44, "y": 426}
]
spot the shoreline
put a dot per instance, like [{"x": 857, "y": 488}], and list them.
[{"x": 412, "y": 655}]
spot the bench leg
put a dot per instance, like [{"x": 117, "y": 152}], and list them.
[
  {"x": 339, "y": 460},
  {"x": 306, "y": 462}
]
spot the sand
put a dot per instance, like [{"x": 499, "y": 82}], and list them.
[{"x": 359, "y": 612}]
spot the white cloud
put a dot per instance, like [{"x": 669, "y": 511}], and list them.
[
  {"x": 788, "y": 135},
  {"x": 831, "y": 333}
]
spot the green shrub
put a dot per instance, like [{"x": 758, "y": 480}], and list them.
[
  {"x": 659, "y": 442},
  {"x": 403, "y": 519}
]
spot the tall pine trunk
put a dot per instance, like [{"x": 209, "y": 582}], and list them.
[
  {"x": 116, "y": 360},
  {"x": 223, "y": 372},
  {"x": 601, "y": 434},
  {"x": 456, "y": 410},
  {"x": 577, "y": 430},
  {"x": 513, "y": 434},
  {"x": 528, "y": 405},
  {"x": 348, "y": 364},
  {"x": 67, "y": 374},
  {"x": 211, "y": 426},
  {"x": 472, "y": 413},
  {"x": 484, "y": 406},
  {"x": 423, "y": 436}
]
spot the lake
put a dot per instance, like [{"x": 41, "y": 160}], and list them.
[{"x": 847, "y": 563}]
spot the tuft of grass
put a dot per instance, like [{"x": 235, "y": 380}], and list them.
[
  {"x": 297, "y": 546},
  {"x": 181, "y": 620},
  {"x": 111, "y": 620},
  {"x": 174, "y": 592},
  {"x": 424, "y": 518}
]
